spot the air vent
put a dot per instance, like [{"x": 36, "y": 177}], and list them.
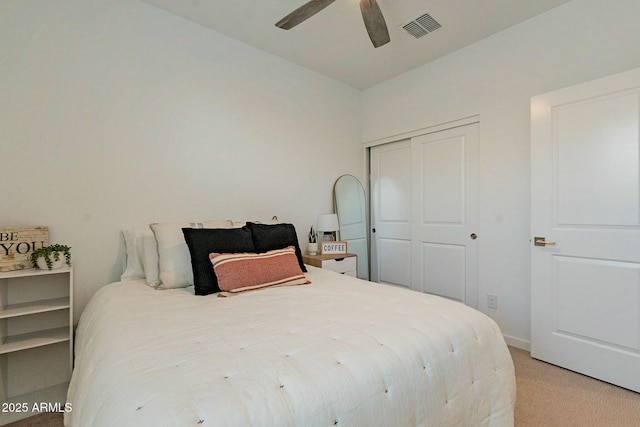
[{"x": 422, "y": 26}]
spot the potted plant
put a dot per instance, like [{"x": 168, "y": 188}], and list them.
[
  {"x": 50, "y": 257},
  {"x": 312, "y": 247}
]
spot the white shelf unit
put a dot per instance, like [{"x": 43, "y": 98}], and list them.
[{"x": 36, "y": 346}]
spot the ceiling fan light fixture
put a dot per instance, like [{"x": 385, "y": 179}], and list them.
[
  {"x": 374, "y": 22},
  {"x": 371, "y": 14},
  {"x": 302, "y": 13}
]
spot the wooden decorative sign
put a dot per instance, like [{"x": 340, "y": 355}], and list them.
[
  {"x": 333, "y": 247},
  {"x": 17, "y": 243}
]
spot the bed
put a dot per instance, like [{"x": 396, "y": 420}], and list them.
[{"x": 335, "y": 351}]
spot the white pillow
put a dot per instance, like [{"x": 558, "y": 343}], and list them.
[
  {"x": 174, "y": 259},
  {"x": 150, "y": 258},
  {"x": 142, "y": 256},
  {"x": 133, "y": 268}
]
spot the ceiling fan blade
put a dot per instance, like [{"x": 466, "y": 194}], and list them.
[
  {"x": 375, "y": 23},
  {"x": 302, "y": 13}
]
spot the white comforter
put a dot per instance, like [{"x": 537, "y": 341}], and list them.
[{"x": 340, "y": 351}]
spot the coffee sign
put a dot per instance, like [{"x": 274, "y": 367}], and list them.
[
  {"x": 333, "y": 247},
  {"x": 17, "y": 243}
]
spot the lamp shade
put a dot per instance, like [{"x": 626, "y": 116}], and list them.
[{"x": 328, "y": 222}]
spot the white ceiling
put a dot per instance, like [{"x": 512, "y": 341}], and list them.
[{"x": 335, "y": 43}]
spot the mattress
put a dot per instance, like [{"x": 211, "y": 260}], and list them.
[{"x": 340, "y": 351}]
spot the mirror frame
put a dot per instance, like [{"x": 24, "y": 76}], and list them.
[{"x": 364, "y": 218}]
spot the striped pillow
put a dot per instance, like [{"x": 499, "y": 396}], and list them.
[{"x": 242, "y": 272}]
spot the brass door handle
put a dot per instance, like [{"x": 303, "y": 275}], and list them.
[{"x": 541, "y": 241}]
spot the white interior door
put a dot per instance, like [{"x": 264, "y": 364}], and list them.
[
  {"x": 390, "y": 167},
  {"x": 444, "y": 205},
  {"x": 585, "y": 288}
]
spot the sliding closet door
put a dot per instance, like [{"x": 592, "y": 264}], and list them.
[
  {"x": 444, "y": 206},
  {"x": 424, "y": 213},
  {"x": 391, "y": 213}
]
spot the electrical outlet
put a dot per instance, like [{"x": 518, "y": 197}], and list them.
[{"x": 492, "y": 301}]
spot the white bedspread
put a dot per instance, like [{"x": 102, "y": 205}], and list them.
[{"x": 340, "y": 351}]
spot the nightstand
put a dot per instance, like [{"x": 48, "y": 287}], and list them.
[
  {"x": 340, "y": 263},
  {"x": 36, "y": 327}
]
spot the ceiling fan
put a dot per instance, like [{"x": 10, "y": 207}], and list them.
[{"x": 371, "y": 14}]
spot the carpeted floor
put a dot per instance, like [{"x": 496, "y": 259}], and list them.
[
  {"x": 547, "y": 396},
  {"x": 42, "y": 420}
]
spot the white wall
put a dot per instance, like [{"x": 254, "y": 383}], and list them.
[
  {"x": 115, "y": 114},
  {"x": 495, "y": 78}
]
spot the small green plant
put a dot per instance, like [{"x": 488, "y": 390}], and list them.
[
  {"x": 312, "y": 235},
  {"x": 51, "y": 253}
]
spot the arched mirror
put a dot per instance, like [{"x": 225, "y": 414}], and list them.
[{"x": 349, "y": 204}]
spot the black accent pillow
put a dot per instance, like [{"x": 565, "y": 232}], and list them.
[
  {"x": 267, "y": 237},
  {"x": 203, "y": 241}
]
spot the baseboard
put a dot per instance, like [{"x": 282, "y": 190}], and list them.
[{"x": 518, "y": 343}]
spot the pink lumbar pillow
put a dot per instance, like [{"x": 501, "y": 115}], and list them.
[{"x": 242, "y": 272}]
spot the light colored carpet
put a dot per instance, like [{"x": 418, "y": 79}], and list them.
[
  {"x": 547, "y": 396},
  {"x": 42, "y": 420}
]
